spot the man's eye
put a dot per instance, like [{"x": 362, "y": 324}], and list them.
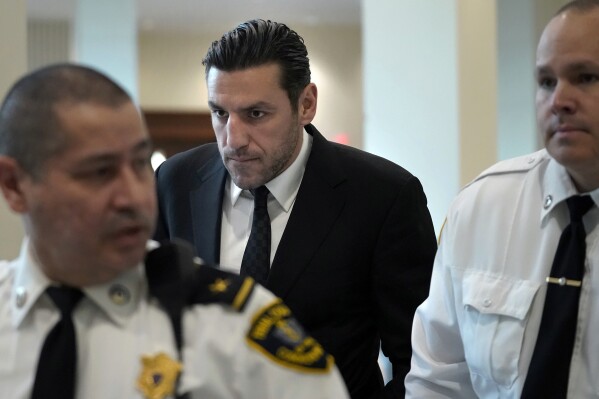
[
  {"x": 255, "y": 114},
  {"x": 546, "y": 83},
  {"x": 100, "y": 173},
  {"x": 588, "y": 78},
  {"x": 219, "y": 113},
  {"x": 141, "y": 163}
]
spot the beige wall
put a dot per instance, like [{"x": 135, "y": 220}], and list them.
[
  {"x": 170, "y": 72},
  {"x": 477, "y": 86},
  {"x": 13, "y": 56}
]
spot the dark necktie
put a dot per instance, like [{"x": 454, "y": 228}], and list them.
[
  {"x": 55, "y": 377},
  {"x": 256, "y": 258},
  {"x": 550, "y": 365}
]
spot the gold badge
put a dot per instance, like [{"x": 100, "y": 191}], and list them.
[{"x": 158, "y": 377}]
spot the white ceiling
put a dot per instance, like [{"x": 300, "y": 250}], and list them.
[{"x": 217, "y": 15}]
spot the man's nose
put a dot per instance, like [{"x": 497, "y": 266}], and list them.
[
  {"x": 236, "y": 132},
  {"x": 132, "y": 187},
  {"x": 563, "y": 100}
]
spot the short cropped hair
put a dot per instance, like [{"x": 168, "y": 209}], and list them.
[
  {"x": 579, "y": 5},
  {"x": 30, "y": 129},
  {"x": 259, "y": 42}
]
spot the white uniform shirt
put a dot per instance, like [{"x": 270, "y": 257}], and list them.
[
  {"x": 117, "y": 326},
  {"x": 475, "y": 334}
]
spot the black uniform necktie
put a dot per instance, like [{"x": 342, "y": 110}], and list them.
[
  {"x": 549, "y": 368},
  {"x": 56, "y": 369},
  {"x": 256, "y": 258}
]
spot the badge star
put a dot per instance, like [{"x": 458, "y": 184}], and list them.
[{"x": 219, "y": 286}]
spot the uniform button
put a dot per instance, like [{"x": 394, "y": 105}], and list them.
[
  {"x": 21, "y": 297},
  {"x": 119, "y": 294},
  {"x": 531, "y": 159},
  {"x": 548, "y": 201},
  {"x": 487, "y": 302},
  {"x": 198, "y": 261}
]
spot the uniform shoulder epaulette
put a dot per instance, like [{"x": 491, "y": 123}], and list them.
[
  {"x": 219, "y": 286},
  {"x": 521, "y": 164}
]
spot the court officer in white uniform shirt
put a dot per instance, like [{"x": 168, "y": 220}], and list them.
[
  {"x": 476, "y": 333},
  {"x": 145, "y": 320}
]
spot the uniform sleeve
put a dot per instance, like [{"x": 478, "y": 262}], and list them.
[
  {"x": 259, "y": 352},
  {"x": 438, "y": 366},
  {"x": 282, "y": 360},
  {"x": 401, "y": 277},
  {"x": 270, "y": 381}
]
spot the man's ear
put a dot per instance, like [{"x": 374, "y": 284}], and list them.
[
  {"x": 11, "y": 180},
  {"x": 307, "y": 104}
]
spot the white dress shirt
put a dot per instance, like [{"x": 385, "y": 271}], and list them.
[
  {"x": 117, "y": 325},
  {"x": 475, "y": 334},
  {"x": 238, "y": 209}
]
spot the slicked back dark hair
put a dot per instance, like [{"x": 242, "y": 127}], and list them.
[
  {"x": 579, "y": 5},
  {"x": 259, "y": 42},
  {"x": 30, "y": 129}
]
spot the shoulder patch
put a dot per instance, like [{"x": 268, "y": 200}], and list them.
[
  {"x": 219, "y": 286},
  {"x": 275, "y": 333}
]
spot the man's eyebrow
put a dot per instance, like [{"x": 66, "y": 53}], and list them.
[
  {"x": 145, "y": 144},
  {"x": 213, "y": 105},
  {"x": 582, "y": 66},
  {"x": 103, "y": 157},
  {"x": 570, "y": 68},
  {"x": 542, "y": 70},
  {"x": 259, "y": 104}
]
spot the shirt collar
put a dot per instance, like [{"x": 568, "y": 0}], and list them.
[
  {"x": 118, "y": 298},
  {"x": 30, "y": 282},
  {"x": 557, "y": 186},
  {"x": 285, "y": 186}
]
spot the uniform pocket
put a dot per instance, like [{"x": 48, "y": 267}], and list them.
[{"x": 495, "y": 311}]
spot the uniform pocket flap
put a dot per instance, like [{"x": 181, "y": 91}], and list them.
[{"x": 494, "y": 295}]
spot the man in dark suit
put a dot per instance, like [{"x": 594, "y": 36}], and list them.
[{"x": 352, "y": 241}]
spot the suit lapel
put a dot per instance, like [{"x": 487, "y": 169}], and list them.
[
  {"x": 206, "y": 201},
  {"x": 320, "y": 199}
]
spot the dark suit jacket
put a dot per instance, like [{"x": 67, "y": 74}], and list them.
[{"x": 355, "y": 258}]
